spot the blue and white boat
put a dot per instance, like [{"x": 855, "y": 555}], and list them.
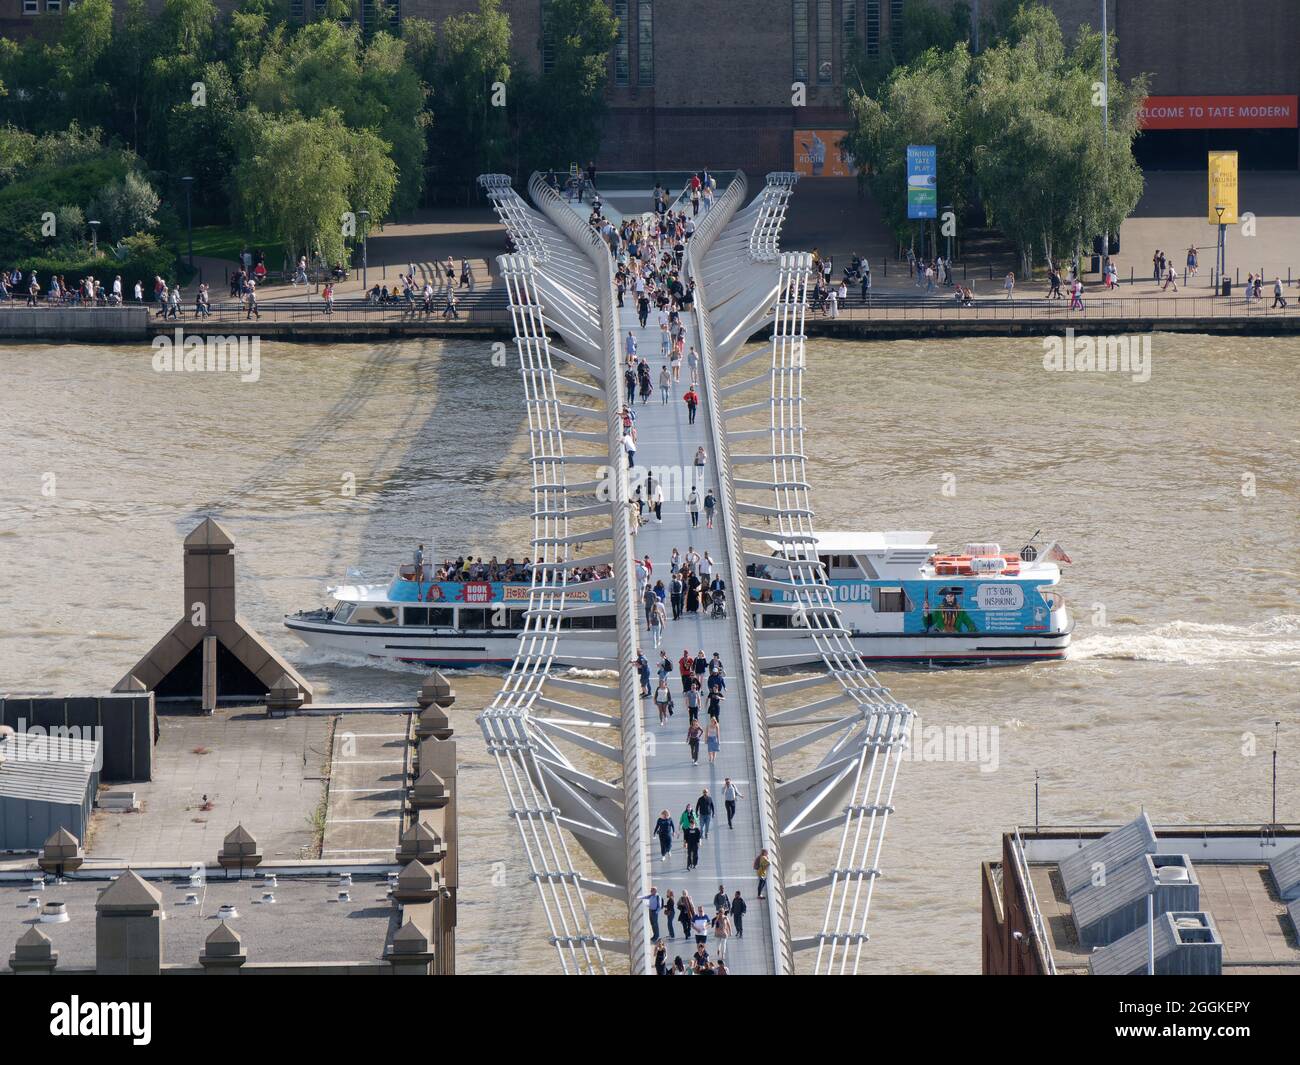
[{"x": 900, "y": 597}]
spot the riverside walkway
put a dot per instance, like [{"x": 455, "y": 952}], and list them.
[{"x": 840, "y": 732}]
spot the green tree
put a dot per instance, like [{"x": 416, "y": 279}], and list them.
[
  {"x": 559, "y": 114},
  {"x": 471, "y": 135},
  {"x": 304, "y": 179}
]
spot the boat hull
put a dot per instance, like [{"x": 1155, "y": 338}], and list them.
[{"x": 471, "y": 649}]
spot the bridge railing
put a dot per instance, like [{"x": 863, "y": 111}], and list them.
[{"x": 636, "y": 819}]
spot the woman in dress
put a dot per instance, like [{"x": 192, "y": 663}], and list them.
[
  {"x": 693, "y": 736},
  {"x": 715, "y": 739}
]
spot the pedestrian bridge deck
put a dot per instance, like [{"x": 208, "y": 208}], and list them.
[{"x": 666, "y": 444}]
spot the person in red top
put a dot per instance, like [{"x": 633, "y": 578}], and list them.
[
  {"x": 692, "y": 400},
  {"x": 686, "y": 666}
]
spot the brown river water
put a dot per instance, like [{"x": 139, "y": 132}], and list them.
[{"x": 1183, "y": 582}]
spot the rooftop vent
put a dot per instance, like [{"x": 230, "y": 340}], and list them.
[
  {"x": 1286, "y": 873},
  {"x": 55, "y": 913},
  {"x": 38, "y": 883},
  {"x": 344, "y": 896},
  {"x": 1101, "y": 857},
  {"x": 1186, "y": 944},
  {"x": 33, "y": 902},
  {"x": 1114, "y": 906},
  {"x": 227, "y": 911},
  {"x": 268, "y": 898}
]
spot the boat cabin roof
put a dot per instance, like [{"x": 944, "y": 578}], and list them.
[{"x": 857, "y": 543}]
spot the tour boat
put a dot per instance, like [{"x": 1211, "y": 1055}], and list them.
[{"x": 900, "y": 598}]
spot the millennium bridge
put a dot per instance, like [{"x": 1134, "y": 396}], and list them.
[{"x": 809, "y": 735}]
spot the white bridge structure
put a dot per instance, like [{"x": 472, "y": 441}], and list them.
[{"x": 812, "y": 740}]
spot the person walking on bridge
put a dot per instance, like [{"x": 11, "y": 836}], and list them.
[
  {"x": 704, "y": 810},
  {"x": 691, "y": 836},
  {"x": 693, "y": 500},
  {"x": 761, "y": 866},
  {"x": 738, "y": 908},
  {"x": 1279, "y": 300},
  {"x": 692, "y": 401},
  {"x": 730, "y": 793},
  {"x": 665, "y": 830},
  {"x": 653, "y": 904}
]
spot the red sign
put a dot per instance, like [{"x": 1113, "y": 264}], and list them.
[
  {"x": 475, "y": 592},
  {"x": 1218, "y": 112}
]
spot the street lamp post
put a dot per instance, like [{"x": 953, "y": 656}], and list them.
[
  {"x": 188, "y": 182},
  {"x": 1105, "y": 122},
  {"x": 1221, "y": 252},
  {"x": 94, "y": 239},
  {"x": 365, "y": 231}
]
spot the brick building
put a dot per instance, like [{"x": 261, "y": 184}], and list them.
[{"x": 711, "y": 81}]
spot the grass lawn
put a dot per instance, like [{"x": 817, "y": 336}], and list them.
[{"x": 226, "y": 242}]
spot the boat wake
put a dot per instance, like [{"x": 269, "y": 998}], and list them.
[{"x": 1275, "y": 639}]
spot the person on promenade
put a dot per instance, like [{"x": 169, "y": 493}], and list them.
[
  {"x": 657, "y": 502},
  {"x": 693, "y": 736},
  {"x": 1009, "y": 283},
  {"x": 700, "y": 461},
  {"x": 714, "y": 739},
  {"x": 1279, "y": 300},
  {"x": 653, "y": 905},
  {"x": 714, "y": 703},
  {"x": 658, "y": 619},
  {"x": 670, "y": 911},
  {"x": 704, "y": 810},
  {"x": 1193, "y": 265},
  {"x": 252, "y": 300},
  {"x": 710, "y": 503},
  {"x": 665, "y": 830},
  {"x": 665, "y": 384},
  {"x": 693, "y": 505},
  {"x": 661, "y": 956},
  {"x": 686, "y": 667},
  {"x": 676, "y": 596},
  {"x": 1076, "y": 295},
  {"x": 693, "y": 696},
  {"x": 328, "y": 296},
  {"x": 1156, "y": 268},
  {"x": 1171, "y": 278},
  {"x": 721, "y": 901},
  {"x": 700, "y": 927},
  {"x": 761, "y": 866},
  {"x": 685, "y": 911},
  {"x": 722, "y": 930},
  {"x": 730, "y": 793},
  {"x": 737, "y": 910},
  {"x": 692, "y": 401},
  {"x": 691, "y": 836},
  {"x": 642, "y": 668},
  {"x": 693, "y": 361}
]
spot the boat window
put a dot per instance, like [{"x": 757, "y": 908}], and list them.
[
  {"x": 474, "y": 618},
  {"x": 604, "y": 621},
  {"x": 440, "y": 617},
  {"x": 415, "y": 615},
  {"x": 343, "y": 612},
  {"x": 775, "y": 621},
  {"x": 889, "y": 601},
  {"x": 375, "y": 615},
  {"x": 516, "y": 620}
]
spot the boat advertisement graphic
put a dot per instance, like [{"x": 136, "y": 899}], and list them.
[
  {"x": 932, "y": 607},
  {"x": 476, "y": 593}
]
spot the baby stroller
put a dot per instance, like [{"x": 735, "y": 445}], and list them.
[{"x": 718, "y": 604}]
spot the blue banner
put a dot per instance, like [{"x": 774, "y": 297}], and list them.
[{"x": 922, "y": 181}]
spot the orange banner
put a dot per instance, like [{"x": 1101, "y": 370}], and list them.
[
  {"x": 1218, "y": 112},
  {"x": 820, "y": 153}
]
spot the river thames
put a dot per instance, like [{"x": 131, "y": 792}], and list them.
[{"x": 1176, "y": 498}]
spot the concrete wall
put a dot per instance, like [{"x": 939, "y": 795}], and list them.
[{"x": 41, "y": 323}]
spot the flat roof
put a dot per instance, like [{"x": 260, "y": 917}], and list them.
[
  {"x": 306, "y": 924},
  {"x": 1236, "y": 890}
]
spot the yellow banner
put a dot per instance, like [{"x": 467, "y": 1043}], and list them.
[{"x": 1223, "y": 188}]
